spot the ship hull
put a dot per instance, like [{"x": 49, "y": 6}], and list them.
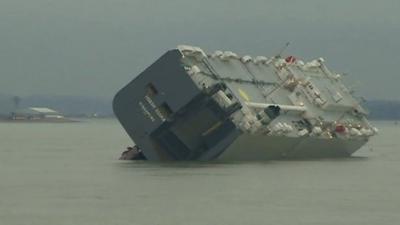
[{"x": 261, "y": 147}]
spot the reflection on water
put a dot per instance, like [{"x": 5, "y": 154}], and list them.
[{"x": 68, "y": 174}]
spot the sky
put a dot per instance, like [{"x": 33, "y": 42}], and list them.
[{"x": 95, "y": 47}]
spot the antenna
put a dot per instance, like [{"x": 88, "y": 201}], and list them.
[
  {"x": 282, "y": 50},
  {"x": 17, "y": 101}
]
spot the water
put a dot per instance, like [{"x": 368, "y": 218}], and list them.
[{"x": 68, "y": 174}]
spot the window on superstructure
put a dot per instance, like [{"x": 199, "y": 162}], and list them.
[
  {"x": 151, "y": 90},
  {"x": 165, "y": 110}
]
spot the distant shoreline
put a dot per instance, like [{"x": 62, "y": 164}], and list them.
[{"x": 64, "y": 120}]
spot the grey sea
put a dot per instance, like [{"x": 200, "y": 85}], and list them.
[{"x": 69, "y": 174}]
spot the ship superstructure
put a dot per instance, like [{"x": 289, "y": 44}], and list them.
[{"x": 189, "y": 105}]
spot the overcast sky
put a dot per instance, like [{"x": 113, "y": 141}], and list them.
[{"x": 94, "y": 47}]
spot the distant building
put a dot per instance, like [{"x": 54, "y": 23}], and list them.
[{"x": 36, "y": 113}]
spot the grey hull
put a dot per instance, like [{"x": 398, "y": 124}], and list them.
[{"x": 258, "y": 147}]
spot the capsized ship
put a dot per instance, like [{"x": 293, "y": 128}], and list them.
[{"x": 189, "y": 105}]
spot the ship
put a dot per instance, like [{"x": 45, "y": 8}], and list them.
[{"x": 190, "y": 105}]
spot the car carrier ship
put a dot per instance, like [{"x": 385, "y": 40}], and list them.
[{"x": 189, "y": 105}]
